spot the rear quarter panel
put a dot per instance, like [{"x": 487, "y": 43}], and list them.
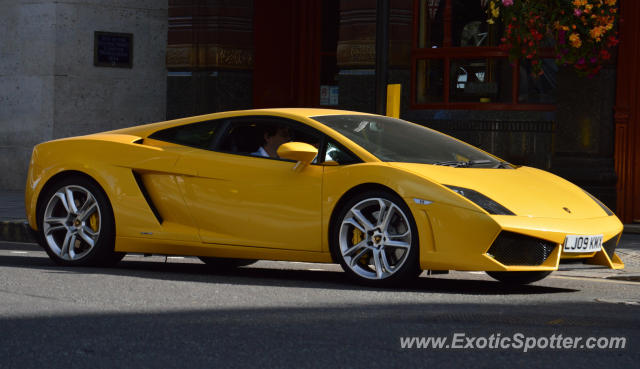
[{"x": 109, "y": 163}]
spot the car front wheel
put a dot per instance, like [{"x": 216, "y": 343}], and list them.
[
  {"x": 76, "y": 224},
  {"x": 375, "y": 239}
]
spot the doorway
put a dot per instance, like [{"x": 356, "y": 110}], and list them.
[{"x": 295, "y": 46}]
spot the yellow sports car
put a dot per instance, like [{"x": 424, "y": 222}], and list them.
[{"x": 383, "y": 197}]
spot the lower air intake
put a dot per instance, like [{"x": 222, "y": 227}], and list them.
[
  {"x": 516, "y": 249},
  {"x": 610, "y": 246}
]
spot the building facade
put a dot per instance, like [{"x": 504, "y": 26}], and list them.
[
  {"x": 455, "y": 78},
  {"x": 193, "y": 57},
  {"x": 56, "y": 78}
]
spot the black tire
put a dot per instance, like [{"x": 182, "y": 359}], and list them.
[
  {"x": 102, "y": 252},
  {"x": 518, "y": 278},
  {"x": 359, "y": 267},
  {"x": 225, "y": 263}
]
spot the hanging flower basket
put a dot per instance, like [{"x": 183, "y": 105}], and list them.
[{"x": 581, "y": 32}]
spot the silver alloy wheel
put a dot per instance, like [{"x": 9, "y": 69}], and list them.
[
  {"x": 72, "y": 222},
  {"x": 375, "y": 238}
]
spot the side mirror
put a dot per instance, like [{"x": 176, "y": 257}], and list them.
[{"x": 301, "y": 152}]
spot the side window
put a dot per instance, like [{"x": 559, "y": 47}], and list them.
[
  {"x": 198, "y": 135},
  {"x": 261, "y": 137},
  {"x": 241, "y": 138},
  {"x": 340, "y": 155}
]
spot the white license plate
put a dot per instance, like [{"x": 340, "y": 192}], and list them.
[{"x": 582, "y": 243}]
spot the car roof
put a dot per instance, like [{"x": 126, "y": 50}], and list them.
[
  {"x": 304, "y": 115},
  {"x": 309, "y": 112},
  {"x": 146, "y": 129}
]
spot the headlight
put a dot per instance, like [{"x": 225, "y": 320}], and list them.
[
  {"x": 482, "y": 201},
  {"x": 606, "y": 209}
]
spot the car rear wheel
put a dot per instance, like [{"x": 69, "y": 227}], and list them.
[
  {"x": 76, "y": 224},
  {"x": 225, "y": 263},
  {"x": 518, "y": 278},
  {"x": 375, "y": 239}
]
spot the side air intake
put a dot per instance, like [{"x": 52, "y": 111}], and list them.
[
  {"x": 610, "y": 246},
  {"x": 145, "y": 193}
]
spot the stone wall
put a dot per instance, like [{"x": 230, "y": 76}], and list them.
[
  {"x": 49, "y": 87},
  {"x": 26, "y": 84}
]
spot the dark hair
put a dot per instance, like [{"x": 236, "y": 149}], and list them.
[{"x": 270, "y": 129}]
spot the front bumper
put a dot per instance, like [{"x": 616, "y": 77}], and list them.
[
  {"x": 459, "y": 239},
  {"x": 556, "y": 230}
]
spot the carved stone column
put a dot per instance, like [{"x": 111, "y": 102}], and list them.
[
  {"x": 356, "y": 51},
  {"x": 209, "y": 56},
  {"x": 356, "y": 45}
]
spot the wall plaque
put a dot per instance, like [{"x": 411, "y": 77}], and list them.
[{"x": 113, "y": 49}]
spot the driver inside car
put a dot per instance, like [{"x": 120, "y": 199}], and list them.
[{"x": 273, "y": 136}]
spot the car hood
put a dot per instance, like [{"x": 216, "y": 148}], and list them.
[{"x": 525, "y": 191}]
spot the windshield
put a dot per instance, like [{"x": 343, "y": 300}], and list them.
[{"x": 391, "y": 139}]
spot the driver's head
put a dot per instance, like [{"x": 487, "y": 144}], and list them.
[{"x": 275, "y": 135}]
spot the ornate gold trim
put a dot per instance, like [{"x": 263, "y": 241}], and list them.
[
  {"x": 362, "y": 53},
  {"x": 208, "y": 56},
  {"x": 356, "y": 53}
]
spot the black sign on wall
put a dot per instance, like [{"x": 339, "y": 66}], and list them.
[{"x": 113, "y": 49}]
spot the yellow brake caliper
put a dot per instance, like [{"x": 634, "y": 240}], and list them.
[
  {"x": 94, "y": 222},
  {"x": 356, "y": 238}
]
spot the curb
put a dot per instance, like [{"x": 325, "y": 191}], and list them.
[
  {"x": 15, "y": 231},
  {"x": 632, "y": 228}
]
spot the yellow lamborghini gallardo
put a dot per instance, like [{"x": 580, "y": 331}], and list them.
[{"x": 383, "y": 197}]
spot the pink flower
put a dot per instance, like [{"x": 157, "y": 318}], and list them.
[
  {"x": 577, "y": 12},
  {"x": 561, "y": 37},
  {"x": 507, "y": 2}
]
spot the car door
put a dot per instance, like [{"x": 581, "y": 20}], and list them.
[
  {"x": 157, "y": 177},
  {"x": 241, "y": 199}
]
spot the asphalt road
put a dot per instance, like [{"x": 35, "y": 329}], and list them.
[{"x": 177, "y": 314}]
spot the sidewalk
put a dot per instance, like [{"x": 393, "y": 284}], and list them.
[
  {"x": 12, "y": 205},
  {"x": 13, "y": 223},
  {"x": 14, "y": 228}
]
